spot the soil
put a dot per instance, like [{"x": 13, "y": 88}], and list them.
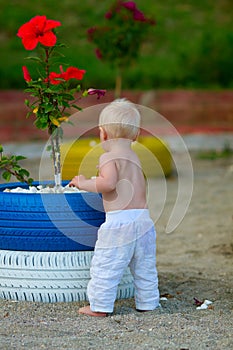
[{"x": 194, "y": 261}]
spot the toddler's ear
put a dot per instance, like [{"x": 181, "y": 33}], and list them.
[
  {"x": 135, "y": 138},
  {"x": 103, "y": 134}
]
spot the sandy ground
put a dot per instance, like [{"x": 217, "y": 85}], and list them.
[{"x": 194, "y": 261}]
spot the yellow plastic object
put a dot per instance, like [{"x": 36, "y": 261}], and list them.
[
  {"x": 82, "y": 156},
  {"x": 155, "y": 156}
]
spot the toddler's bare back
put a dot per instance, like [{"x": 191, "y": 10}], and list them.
[{"x": 130, "y": 191}]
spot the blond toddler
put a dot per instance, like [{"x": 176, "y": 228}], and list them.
[{"x": 127, "y": 237}]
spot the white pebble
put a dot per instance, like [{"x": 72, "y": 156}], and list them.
[{"x": 32, "y": 189}]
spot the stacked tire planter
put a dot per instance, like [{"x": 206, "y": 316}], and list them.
[{"x": 46, "y": 245}]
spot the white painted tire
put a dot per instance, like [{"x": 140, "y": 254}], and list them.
[{"x": 50, "y": 276}]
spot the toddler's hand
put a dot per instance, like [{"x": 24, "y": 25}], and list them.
[{"x": 77, "y": 181}]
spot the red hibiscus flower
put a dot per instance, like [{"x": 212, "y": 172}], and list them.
[
  {"x": 38, "y": 30},
  {"x": 73, "y": 73},
  {"x": 70, "y": 73},
  {"x": 26, "y": 74},
  {"x": 55, "y": 78}
]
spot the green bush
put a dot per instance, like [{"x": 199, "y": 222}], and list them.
[{"x": 190, "y": 46}]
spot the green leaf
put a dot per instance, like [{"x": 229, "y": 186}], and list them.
[
  {"x": 78, "y": 88},
  {"x": 27, "y": 103},
  {"x": 48, "y": 107},
  {"x": 32, "y": 90},
  {"x": 53, "y": 89},
  {"x": 65, "y": 104},
  {"x": 33, "y": 58},
  {"x": 77, "y": 107},
  {"x": 68, "y": 97},
  {"x": 30, "y": 180},
  {"x": 24, "y": 172},
  {"x": 28, "y": 114},
  {"x": 16, "y": 168},
  {"x": 85, "y": 93},
  {"x": 4, "y": 162},
  {"x": 6, "y": 175},
  {"x": 20, "y": 158}
]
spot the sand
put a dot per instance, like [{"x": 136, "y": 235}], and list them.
[{"x": 194, "y": 261}]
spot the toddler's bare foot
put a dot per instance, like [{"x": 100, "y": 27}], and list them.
[{"x": 86, "y": 310}]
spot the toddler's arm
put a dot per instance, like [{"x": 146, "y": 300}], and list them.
[{"x": 105, "y": 182}]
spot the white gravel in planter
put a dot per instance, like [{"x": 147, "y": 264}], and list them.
[{"x": 44, "y": 189}]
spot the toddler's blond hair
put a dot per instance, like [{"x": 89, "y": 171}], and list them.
[{"x": 120, "y": 119}]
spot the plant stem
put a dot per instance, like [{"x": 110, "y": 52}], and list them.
[
  {"x": 55, "y": 145},
  {"x": 118, "y": 85},
  {"x": 55, "y": 135},
  {"x": 58, "y": 159}
]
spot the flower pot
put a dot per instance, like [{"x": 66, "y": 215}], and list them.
[{"x": 49, "y": 222}]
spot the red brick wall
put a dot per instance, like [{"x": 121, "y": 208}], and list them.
[{"x": 189, "y": 111}]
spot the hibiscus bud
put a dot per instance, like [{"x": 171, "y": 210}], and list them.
[
  {"x": 97, "y": 92},
  {"x": 26, "y": 74}
]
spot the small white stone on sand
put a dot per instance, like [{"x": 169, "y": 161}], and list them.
[{"x": 205, "y": 305}]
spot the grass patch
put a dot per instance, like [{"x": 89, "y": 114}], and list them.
[{"x": 226, "y": 152}]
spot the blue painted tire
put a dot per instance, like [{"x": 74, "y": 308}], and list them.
[{"x": 49, "y": 222}]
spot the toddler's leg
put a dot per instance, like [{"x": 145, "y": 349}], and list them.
[
  {"x": 143, "y": 269},
  {"x": 107, "y": 268}
]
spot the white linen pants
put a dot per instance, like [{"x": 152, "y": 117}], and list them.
[{"x": 127, "y": 238}]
